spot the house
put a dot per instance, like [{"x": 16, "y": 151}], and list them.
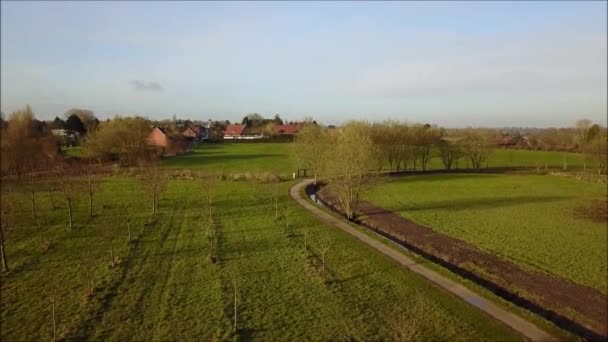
[
  {"x": 234, "y": 131},
  {"x": 196, "y": 133},
  {"x": 165, "y": 142},
  {"x": 68, "y": 137},
  {"x": 288, "y": 129}
]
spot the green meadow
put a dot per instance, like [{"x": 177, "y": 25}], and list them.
[
  {"x": 237, "y": 158},
  {"x": 164, "y": 286},
  {"x": 532, "y": 220}
]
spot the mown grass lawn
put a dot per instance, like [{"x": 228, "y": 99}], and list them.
[
  {"x": 165, "y": 288},
  {"x": 529, "y": 219},
  {"x": 237, "y": 158},
  {"x": 231, "y": 158}
]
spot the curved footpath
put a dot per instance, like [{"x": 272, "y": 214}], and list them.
[{"x": 517, "y": 323}]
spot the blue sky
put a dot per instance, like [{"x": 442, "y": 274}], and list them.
[{"x": 453, "y": 64}]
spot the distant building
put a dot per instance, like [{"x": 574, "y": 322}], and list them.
[
  {"x": 167, "y": 144},
  {"x": 196, "y": 133},
  {"x": 234, "y": 131},
  {"x": 288, "y": 129}
]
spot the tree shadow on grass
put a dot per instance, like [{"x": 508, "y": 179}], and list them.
[
  {"x": 474, "y": 203},
  {"x": 221, "y": 158}
]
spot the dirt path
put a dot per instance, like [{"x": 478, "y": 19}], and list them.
[
  {"x": 580, "y": 309},
  {"x": 516, "y": 322}
]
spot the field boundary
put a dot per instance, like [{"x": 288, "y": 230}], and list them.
[{"x": 515, "y": 322}]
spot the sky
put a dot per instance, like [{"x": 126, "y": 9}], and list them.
[{"x": 455, "y": 64}]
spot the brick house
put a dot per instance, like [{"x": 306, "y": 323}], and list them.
[
  {"x": 288, "y": 129},
  {"x": 234, "y": 131},
  {"x": 196, "y": 133},
  {"x": 166, "y": 143}
]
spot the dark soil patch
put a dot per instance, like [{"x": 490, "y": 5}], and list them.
[
  {"x": 578, "y": 308},
  {"x": 596, "y": 211}
]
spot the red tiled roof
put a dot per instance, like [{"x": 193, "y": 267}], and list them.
[
  {"x": 234, "y": 130},
  {"x": 287, "y": 129}
]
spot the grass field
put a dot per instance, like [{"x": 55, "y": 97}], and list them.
[
  {"x": 277, "y": 158},
  {"x": 237, "y": 158},
  {"x": 165, "y": 288},
  {"x": 529, "y": 219}
]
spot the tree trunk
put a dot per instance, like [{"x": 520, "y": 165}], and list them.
[
  {"x": 54, "y": 321},
  {"x": 33, "y": 205},
  {"x": 235, "y": 312},
  {"x": 153, "y": 201},
  {"x": 90, "y": 204},
  {"x": 40, "y": 232},
  {"x": 53, "y": 206},
  {"x": 70, "y": 213},
  {"x": 89, "y": 281},
  {"x": 3, "y": 252},
  {"x": 112, "y": 252},
  {"x": 323, "y": 261}
]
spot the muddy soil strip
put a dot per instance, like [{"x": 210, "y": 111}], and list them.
[
  {"x": 554, "y": 298},
  {"x": 512, "y": 320}
]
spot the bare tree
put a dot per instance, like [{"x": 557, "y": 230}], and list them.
[
  {"x": 92, "y": 184},
  {"x": 87, "y": 263},
  {"x": 210, "y": 236},
  {"x": 476, "y": 148},
  {"x": 324, "y": 244},
  {"x": 127, "y": 216},
  {"x": 52, "y": 295},
  {"x": 597, "y": 150},
  {"x": 449, "y": 152},
  {"x": 306, "y": 233},
  {"x": 31, "y": 187},
  {"x": 310, "y": 147},
  {"x": 349, "y": 165},
  {"x": 154, "y": 181},
  {"x": 408, "y": 326},
  {"x": 44, "y": 243},
  {"x": 275, "y": 201},
  {"x": 234, "y": 275},
  {"x": 50, "y": 189},
  {"x": 582, "y": 126},
  {"x": 110, "y": 234},
  {"x": 6, "y": 221},
  {"x": 68, "y": 189},
  {"x": 208, "y": 186}
]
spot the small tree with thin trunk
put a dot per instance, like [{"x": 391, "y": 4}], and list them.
[
  {"x": 324, "y": 244},
  {"x": 154, "y": 181},
  {"x": 92, "y": 184},
  {"x": 306, "y": 233},
  {"x": 66, "y": 184},
  {"x": 52, "y": 295},
  {"x": 50, "y": 187},
  {"x": 87, "y": 263},
  {"x": 127, "y": 217},
  {"x": 275, "y": 201},
  {"x": 409, "y": 326},
  {"x": 31, "y": 188},
  {"x": 6, "y": 221},
  {"x": 597, "y": 150},
  {"x": 110, "y": 234},
  {"x": 207, "y": 184}
]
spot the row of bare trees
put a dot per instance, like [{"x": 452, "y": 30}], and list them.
[{"x": 352, "y": 157}]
